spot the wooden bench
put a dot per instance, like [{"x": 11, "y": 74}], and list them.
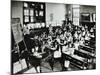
[{"x": 76, "y": 60}]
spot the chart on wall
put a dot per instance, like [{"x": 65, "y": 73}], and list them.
[{"x": 16, "y": 29}]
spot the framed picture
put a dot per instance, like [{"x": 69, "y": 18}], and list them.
[{"x": 52, "y": 37}]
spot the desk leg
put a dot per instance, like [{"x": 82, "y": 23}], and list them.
[{"x": 51, "y": 62}]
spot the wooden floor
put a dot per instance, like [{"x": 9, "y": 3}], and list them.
[{"x": 45, "y": 68}]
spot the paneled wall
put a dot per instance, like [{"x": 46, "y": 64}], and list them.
[{"x": 87, "y": 9}]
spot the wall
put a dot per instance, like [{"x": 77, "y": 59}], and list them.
[
  {"x": 69, "y": 10},
  {"x": 17, "y": 10},
  {"x": 57, "y": 11},
  {"x": 87, "y": 9}
]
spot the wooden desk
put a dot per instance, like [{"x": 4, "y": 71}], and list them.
[
  {"x": 77, "y": 61},
  {"x": 87, "y": 48},
  {"x": 84, "y": 54}
]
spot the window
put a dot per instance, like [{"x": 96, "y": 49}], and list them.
[
  {"x": 76, "y": 13},
  {"x": 34, "y": 12}
]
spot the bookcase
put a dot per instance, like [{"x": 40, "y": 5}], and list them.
[
  {"x": 34, "y": 13},
  {"x": 88, "y": 19}
]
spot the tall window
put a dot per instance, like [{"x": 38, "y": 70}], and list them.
[{"x": 76, "y": 13}]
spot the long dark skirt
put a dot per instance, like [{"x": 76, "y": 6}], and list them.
[{"x": 34, "y": 61}]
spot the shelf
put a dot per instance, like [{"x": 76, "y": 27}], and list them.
[{"x": 87, "y": 22}]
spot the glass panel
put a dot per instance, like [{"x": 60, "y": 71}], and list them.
[
  {"x": 41, "y": 13},
  {"x": 42, "y": 24},
  {"x": 41, "y": 6},
  {"x": 32, "y": 19},
  {"x": 25, "y": 4},
  {"x": 26, "y": 12},
  {"x": 75, "y": 12},
  {"x": 26, "y": 19},
  {"x": 31, "y": 12},
  {"x": 33, "y": 4},
  {"x": 36, "y": 12},
  {"x": 76, "y": 21}
]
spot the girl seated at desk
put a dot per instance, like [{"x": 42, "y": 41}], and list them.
[
  {"x": 69, "y": 50},
  {"x": 76, "y": 44}
]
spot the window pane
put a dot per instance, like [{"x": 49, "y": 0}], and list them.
[
  {"x": 75, "y": 12},
  {"x": 42, "y": 24},
  {"x": 33, "y": 4},
  {"x": 76, "y": 21},
  {"x": 26, "y": 12},
  {"x": 36, "y": 12},
  {"x": 41, "y": 13},
  {"x": 41, "y": 6},
  {"x": 25, "y": 4},
  {"x": 32, "y": 19},
  {"x": 26, "y": 19},
  {"x": 31, "y": 12}
]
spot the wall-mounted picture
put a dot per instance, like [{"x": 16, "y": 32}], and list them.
[{"x": 52, "y": 37}]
